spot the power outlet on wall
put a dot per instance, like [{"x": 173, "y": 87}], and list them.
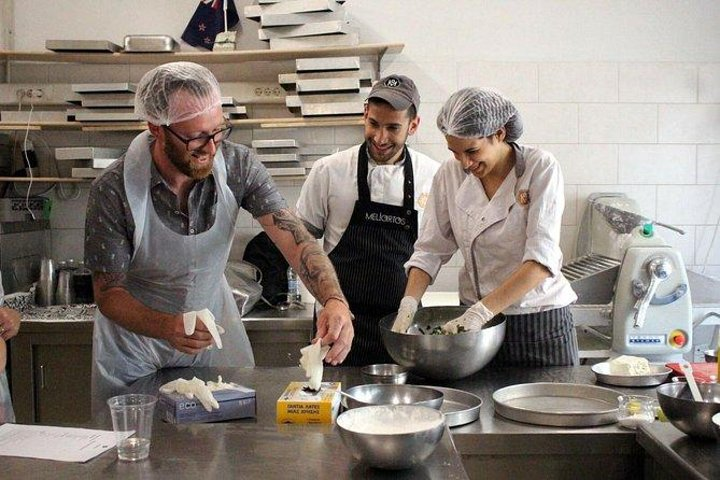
[{"x": 29, "y": 94}]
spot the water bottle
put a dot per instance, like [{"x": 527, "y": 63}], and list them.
[{"x": 293, "y": 286}]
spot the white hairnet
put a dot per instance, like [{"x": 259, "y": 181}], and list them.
[
  {"x": 477, "y": 112},
  {"x": 156, "y": 97}
]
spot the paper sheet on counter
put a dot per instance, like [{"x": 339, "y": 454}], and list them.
[{"x": 54, "y": 443}]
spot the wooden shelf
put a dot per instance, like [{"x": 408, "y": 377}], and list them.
[
  {"x": 282, "y": 122},
  {"x": 235, "y": 56},
  {"x": 45, "y": 179}
]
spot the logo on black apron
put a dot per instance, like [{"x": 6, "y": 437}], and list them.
[{"x": 384, "y": 218}]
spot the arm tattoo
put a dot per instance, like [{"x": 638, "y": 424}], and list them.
[
  {"x": 108, "y": 280},
  {"x": 286, "y": 220},
  {"x": 315, "y": 232},
  {"x": 315, "y": 268},
  {"x": 319, "y": 274}
]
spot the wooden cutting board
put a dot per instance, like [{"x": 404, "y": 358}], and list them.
[{"x": 701, "y": 371}]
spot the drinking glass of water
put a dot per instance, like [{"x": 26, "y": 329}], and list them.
[{"x": 132, "y": 418}]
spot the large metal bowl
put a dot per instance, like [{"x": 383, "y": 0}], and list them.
[
  {"x": 442, "y": 357},
  {"x": 691, "y": 417},
  {"x": 393, "y": 394},
  {"x": 391, "y": 436}
]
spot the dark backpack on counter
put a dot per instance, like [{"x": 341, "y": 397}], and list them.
[{"x": 262, "y": 252}]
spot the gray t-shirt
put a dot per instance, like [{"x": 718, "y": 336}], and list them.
[{"x": 109, "y": 225}]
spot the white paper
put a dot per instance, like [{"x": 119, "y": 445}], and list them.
[{"x": 55, "y": 443}]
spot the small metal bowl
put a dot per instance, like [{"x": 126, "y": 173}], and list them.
[
  {"x": 391, "y": 436},
  {"x": 710, "y": 356},
  {"x": 384, "y": 373},
  {"x": 716, "y": 425},
  {"x": 386, "y": 394}
]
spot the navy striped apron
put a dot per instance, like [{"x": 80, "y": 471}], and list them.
[
  {"x": 542, "y": 339},
  {"x": 369, "y": 261}
]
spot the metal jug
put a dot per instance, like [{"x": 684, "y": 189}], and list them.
[
  {"x": 46, "y": 285},
  {"x": 65, "y": 294}
]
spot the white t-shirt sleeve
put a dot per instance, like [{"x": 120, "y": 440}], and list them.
[{"x": 312, "y": 203}]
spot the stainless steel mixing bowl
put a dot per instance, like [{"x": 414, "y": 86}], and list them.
[
  {"x": 384, "y": 373},
  {"x": 691, "y": 417},
  {"x": 389, "y": 394},
  {"x": 391, "y": 436},
  {"x": 442, "y": 357}
]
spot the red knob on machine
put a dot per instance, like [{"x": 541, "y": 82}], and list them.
[{"x": 679, "y": 339}]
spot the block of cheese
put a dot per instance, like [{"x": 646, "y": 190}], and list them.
[{"x": 629, "y": 365}]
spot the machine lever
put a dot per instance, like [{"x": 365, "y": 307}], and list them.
[{"x": 659, "y": 269}]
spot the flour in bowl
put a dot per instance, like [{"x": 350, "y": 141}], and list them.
[{"x": 390, "y": 419}]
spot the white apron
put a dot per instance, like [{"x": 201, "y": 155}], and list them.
[{"x": 171, "y": 273}]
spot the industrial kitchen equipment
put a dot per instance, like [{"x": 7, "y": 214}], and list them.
[{"x": 623, "y": 261}]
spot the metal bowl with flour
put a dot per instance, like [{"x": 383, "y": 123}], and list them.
[{"x": 442, "y": 357}]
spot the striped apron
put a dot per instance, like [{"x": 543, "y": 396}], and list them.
[
  {"x": 542, "y": 339},
  {"x": 369, "y": 261}
]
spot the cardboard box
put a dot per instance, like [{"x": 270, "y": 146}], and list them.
[
  {"x": 234, "y": 403},
  {"x": 296, "y": 405}
]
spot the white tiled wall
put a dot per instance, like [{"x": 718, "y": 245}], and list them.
[{"x": 626, "y": 94}]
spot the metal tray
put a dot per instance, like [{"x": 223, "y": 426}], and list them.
[
  {"x": 557, "y": 404},
  {"x": 81, "y": 46},
  {"x": 659, "y": 375},
  {"x": 149, "y": 44},
  {"x": 460, "y": 407}
]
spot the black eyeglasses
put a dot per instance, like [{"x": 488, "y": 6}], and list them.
[{"x": 199, "y": 142}]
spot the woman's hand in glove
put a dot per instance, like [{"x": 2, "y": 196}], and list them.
[
  {"x": 473, "y": 319},
  {"x": 405, "y": 315}
]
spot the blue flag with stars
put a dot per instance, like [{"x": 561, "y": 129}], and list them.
[{"x": 207, "y": 21}]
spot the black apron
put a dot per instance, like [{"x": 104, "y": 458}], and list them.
[{"x": 369, "y": 261}]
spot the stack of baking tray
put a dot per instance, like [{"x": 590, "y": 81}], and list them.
[
  {"x": 232, "y": 110},
  {"x": 327, "y": 86},
  {"x": 103, "y": 102},
  {"x": 294, "y": 24},
  {"x": 280, "y": 156},
  {"x": 85, "y": 162}
]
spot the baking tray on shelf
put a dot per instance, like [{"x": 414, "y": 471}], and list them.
[
  {"x": 557, "y": 404},
  {"x": 82, "y": 46}
]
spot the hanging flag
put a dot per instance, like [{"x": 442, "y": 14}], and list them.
[{"x": 207, "y": 21}]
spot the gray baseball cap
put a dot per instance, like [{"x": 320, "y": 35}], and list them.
[{"x": 398, "y": 90}]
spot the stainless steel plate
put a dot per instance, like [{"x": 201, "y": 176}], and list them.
[
  {"x": 557, "y": 404},
  {"x": 460, "y": 407},
  {"x": 659, "y": 374}
]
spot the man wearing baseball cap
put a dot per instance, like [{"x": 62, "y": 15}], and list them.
[{"x": 366, "y": 202}]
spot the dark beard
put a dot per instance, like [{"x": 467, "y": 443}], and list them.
[{"x": 180, "y": 158}]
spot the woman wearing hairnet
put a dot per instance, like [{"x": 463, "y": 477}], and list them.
[{"x": 500, "y": 203}]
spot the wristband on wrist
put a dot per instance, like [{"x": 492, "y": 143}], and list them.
[{"x": 341, "y": 299}]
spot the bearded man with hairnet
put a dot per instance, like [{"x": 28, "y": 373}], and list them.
[
  {"x": 159, "y": 227},
  {"x": 500, "y": 203}
]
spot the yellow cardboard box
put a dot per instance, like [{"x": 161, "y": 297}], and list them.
[{"x": 296, "y": 405}]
